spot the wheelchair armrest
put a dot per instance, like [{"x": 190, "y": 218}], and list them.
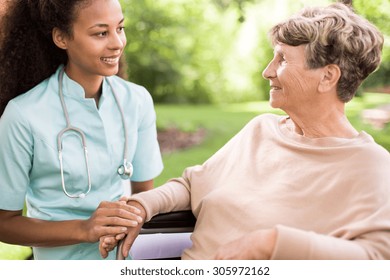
[
  {"x": 173, "y": 222},
  {"x": 179, "y": 221}
]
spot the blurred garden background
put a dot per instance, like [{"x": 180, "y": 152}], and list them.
[{"x": 202, "y": 62}]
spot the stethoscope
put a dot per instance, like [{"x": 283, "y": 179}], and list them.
[{"x": 125, "y": 170}]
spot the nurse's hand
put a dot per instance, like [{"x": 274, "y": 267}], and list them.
[
  {"x": 109, "y": 243},
  {"x": 257, "y": 245},
  {"x": 111, "y": 219}
]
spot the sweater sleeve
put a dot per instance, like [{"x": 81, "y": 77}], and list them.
[
  {"x": 298, "y": 244},
  {"x": 172, "y": 196},
  {"x": 365, "y": 239}
]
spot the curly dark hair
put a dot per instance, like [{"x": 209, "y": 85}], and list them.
[{"x": 28, "y": 54}]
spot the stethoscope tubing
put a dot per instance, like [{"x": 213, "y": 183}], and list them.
[{"x": 127, "y": 166}]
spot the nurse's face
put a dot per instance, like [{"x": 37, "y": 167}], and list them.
[
  {"x": 294, "y": 86},
  {"x": 98, "y": 39}
]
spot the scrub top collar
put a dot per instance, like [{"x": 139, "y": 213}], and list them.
[{"x": 74, "y": 90}]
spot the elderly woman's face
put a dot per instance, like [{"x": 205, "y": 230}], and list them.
[{"x": 293, "y": 85}]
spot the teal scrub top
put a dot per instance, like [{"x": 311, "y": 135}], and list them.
[{"x": 29, "y": 164}]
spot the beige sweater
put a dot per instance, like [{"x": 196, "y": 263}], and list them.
[{"x": 328, "y": 198}]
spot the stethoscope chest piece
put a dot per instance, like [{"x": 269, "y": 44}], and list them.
[{"x": 125, "y": 170}]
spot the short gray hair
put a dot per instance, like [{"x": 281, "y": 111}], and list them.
[{"x": 334, "y": 35}]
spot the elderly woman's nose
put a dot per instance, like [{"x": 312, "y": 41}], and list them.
[{"x": 268, "y": 72}]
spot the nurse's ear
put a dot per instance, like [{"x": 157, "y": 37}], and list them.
[{"x": 59, "y": 38}]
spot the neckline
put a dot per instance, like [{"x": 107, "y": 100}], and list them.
[
  {"x": 73, "y": 89},
  {"x": 330, "y": 141}
]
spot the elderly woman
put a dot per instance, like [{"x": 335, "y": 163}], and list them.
[{"x": 303, "y": 186}]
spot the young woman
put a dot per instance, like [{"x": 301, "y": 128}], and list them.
[{"x": 70, "y": 130}]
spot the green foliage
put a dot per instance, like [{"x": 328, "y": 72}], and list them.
[
  {"x": 213, "y": 51},
  {"x": 176, "y": 48},
  {"x": 193, "y": 51},
  {"x": 378, "y": 12}
]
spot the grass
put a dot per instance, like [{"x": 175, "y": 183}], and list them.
[
  {"x": 222, "y": 122},
  {"x": 14, "y": 252}
]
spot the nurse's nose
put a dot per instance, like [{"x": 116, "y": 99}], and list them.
[{"x": 117, "y": 40}]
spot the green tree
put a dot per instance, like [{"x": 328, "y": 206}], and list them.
[
  {"x": 214, "y": 51},
  {"x": 378, "y": 12},
  {"x": 176, "y": 48}
]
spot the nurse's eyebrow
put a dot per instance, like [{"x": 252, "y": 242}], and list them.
[{"x": 104, "y": 24}]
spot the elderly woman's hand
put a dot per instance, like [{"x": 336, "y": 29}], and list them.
[
  {"x": 108, "y": 243},
  {"x": 257, "y": 245}
]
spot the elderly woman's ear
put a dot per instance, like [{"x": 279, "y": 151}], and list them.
[{"x": 330, "y": 77}]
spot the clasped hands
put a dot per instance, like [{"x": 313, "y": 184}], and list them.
[
  {"x": 127, "y": 222},
  {"x": 258, "y": 244}
]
